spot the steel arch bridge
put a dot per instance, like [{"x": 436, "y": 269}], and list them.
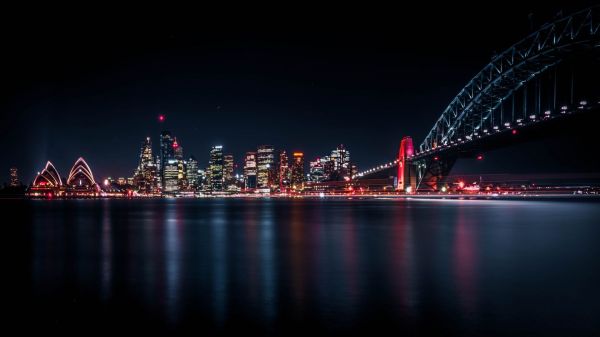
[{"x": 519, "y": 88}]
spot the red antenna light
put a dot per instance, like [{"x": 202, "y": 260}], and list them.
[
  {"x": 514, "y": 131},
  {"x": 480, "y": 157},
  {"x": 161, "y": 118}
]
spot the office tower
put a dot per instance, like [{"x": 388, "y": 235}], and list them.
[
  {"x": 341, "y": 159},
  {"x": 297, "y": 175},
  {"x": 250, "y": 171},
  {"x": 284, "y": 176},
  {"x": 216, "y": 168},
  {"x": 14, "y": 177},
  {"x": 177, "y": 150},
  {"x": 317, "y": 170},
  {"x": 166, "y": 152},
  {"x": 265, "y": 161},
  {"x": 192, "y": 172},
  {"x": 228, "y": 166},
  {"x": 171, "y": 176},
  {"x": 144, "y": 178}
]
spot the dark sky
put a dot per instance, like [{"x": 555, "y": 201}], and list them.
[{"x": 300, "y": 80}]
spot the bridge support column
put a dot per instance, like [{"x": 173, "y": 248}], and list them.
[{"x": 406, "y": 172}]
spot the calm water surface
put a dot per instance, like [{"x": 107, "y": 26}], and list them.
[{"x": 283, "y": 267}]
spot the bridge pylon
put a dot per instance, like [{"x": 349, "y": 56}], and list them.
[{"x": 407, "y": 177}]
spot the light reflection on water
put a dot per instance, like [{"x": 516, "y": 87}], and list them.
[{"x": 468, "y": 267}]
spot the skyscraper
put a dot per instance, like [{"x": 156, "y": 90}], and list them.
[
  {"x": 341, "y": 158},
  {"x": 181, "y": 165},
  {"x": 144, "y": 178},
  {"x": 317, "y": 171},
  {"x": 284, "y": 179},
  {"x": 14, "y": 177},
  {"x": 297, "y": 179},
  {"x": 171, "y": 176},
  {"x": 250, "y": 171},
  {"x": 265, "y": 164},
  {"x": 216, "y": 168},
  {"x": 177, "y": 150},
  {"x": 192, "y": 172},
  {"x": 166, "y": 152},
  {"x": 228, "y": 166}
]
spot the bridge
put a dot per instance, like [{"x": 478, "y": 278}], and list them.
[{"x": 544, "y": 83}]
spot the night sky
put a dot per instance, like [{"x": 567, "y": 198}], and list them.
[{"x": 305, "y": 81}]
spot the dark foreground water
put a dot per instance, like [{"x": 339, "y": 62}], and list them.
[{"x": 302, "y": 267}]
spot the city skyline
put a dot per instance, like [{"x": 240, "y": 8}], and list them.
[{"x": 285, "y": 92}]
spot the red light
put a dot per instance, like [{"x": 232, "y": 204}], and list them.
[
  {"x": 514, "y": 131},
  {"x": 461, "y": 184},
  {"x": 480, "y": 157},
  {"x": 161, "y": 118},
  {"x": 436, "y": 158},
  {"x": 175, "y": 145}
]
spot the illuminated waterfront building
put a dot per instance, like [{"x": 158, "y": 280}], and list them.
[
  {"x": 14, "y": 177},
  {"x": 47, "y": 183},
  {"x": 250, "y": 171},
  {"x": 317, "y": 170},
  {"x": 166, "y": 152},
  {"x": 228, "y": 166},
  {"x": 202, "y": 180},
  {"x": 341, "y": 158},
  {"x": 284, "y": 172},
  {"x": 297, "y": 174},
  {"x": 216, "y": 169},
  {"x": 80, "y": 182},
  {"x": 171, "y": 176},
  {"x": 265, "y": 162},
  {"x": 192, "y": 172},
  {"x": 145, "y": 176}
]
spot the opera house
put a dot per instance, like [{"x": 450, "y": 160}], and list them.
[{"x": 79, "y": 184}]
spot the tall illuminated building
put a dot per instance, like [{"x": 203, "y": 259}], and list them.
[
  {"x": 171, "y": 176},
  {"x": 14, "y": 177},
  {"x": 284, "y": 172},
  {"x": 265, "y": 162},
  {"x": 250, "y": 171},
  {"x": 317, "y": 170},
  {"x": 216, "y": 168},
  {"x": 341, "y": 158},
  {"x": 166, "y": 153},
  {"x": 144, "y": 178},
  {"x": 192, "y": 172},
  {"x": 297, "y": 174},
  {"x": 181, "y": 165},
  {"x": 228, "y": 166}
]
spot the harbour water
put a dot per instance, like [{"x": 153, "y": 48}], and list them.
[{"x": 303, "y": 266}]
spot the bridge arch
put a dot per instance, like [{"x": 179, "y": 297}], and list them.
[{"x": 510, "y": 71}]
